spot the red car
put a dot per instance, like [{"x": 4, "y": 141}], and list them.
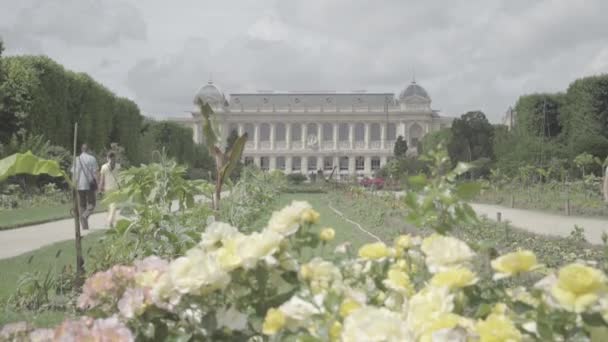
[{"x": 377, "y": 183}]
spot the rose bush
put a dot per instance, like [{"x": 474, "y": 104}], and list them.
[{"x": 234, "y": 286}]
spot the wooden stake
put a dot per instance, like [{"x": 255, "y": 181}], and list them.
[{"x": 76, "y": 200}]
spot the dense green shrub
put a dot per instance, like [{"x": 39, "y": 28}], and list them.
[
  {"x": 41, "y": 98},
  {"x": 296, "y": 178}
]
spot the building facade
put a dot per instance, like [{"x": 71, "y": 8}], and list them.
[{"x": 305, "y": 132}]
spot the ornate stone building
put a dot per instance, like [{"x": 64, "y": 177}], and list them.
[{"x": 303, "y": 132}]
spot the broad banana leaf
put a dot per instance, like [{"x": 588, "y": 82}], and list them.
[
  {"x": 27, "y": 163},
  {"x": 208, "y": 132},
  {"x": 234, "y": 155}
]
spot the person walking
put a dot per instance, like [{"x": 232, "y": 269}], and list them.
[
  {"x": 108, "y": 181},
  {"x": 84, "y": 173}
]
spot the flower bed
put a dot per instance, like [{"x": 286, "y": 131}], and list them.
[{"x": 235, "y": 286}]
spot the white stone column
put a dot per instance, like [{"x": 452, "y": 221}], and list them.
[
  {"x": 351, "y": 135},
  {"x": 272, "y": 162},
  {"x": 304, "y": 165},
  {"x": 351, "y": 165},
  {"x": 335, "y": 136},
  {"x": 401, "y": 129},
  {"x": 383, "y": 135},
  {"x": 288, "y": 164},
  {"x": 256, "y": 161},
  {"x": 256, "y": 139},
  {"x": 367, "y": 135},
  {"x": 272, "y": 135},
  {"x": 320, "y": 165},
  {"x": 367, "y": 168},
  {"x": 304, "y": 134},
  {"x": 288, "y": 139},
  {"x": 337, "y": 164},
  {"x": 320, "y": 134},
  {"x": 241, "y": 129}
]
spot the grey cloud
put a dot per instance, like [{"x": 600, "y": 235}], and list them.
[
  {"x": 477, "y": 54},
  {"x": 80, "y": 22}
]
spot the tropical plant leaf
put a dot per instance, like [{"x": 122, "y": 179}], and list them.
[
  {"x": 27, "y": 163},
  {"x": 210, "y": 136},
  {"x": 234, "y": 155}
]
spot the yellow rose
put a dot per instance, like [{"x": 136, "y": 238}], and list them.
[
  {"x": 514, "y": 263},
  {"x": 578, "y": 286},
  {"x": 454, "y": 278},
  {"x": 399, "y": 281},
  {"x": 327, "y": 234},
  {"x": 306, "y": 272},
  {"x": 403, "y": 241},
  {"x": 497, "y": 328},
  {"x": 274, "y": 321},
  {"x": 310, "y": 216},
  {"x": 374, "y": 251},
  {"x": 335, "y": 332},
  {"x": 348, "y": 306}
]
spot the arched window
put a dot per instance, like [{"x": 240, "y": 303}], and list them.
[{"x": 415, "y": 134}]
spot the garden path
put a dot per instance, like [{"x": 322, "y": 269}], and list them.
[
  {"x": 545, "y": 223},
  {"x": 17, "y": 241},
  {"x": 541, "y": 222}
]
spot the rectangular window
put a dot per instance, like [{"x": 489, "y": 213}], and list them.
[
  {"x": 343, "y": 163},
  {"x": 328, "y": 163},
  {"x": 359, "y": 163},
  {"x": 280, "y": 163},
  {"x": 296, "y": 164},
  {"x": 375, "y": 164},
  {"x": 312, "y": 163},
  {"x": 414, "y": 142},
  {"x": 248, "y": 160},
  {"x": 264, "y": 163}
]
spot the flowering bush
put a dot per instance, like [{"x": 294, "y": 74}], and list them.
[{"x": 266, "y": 285}]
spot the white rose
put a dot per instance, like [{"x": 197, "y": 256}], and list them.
[
  {"x": 371, "y": 324},
  {"x": 231, "y": 319},
  {"x": 287, "y": 220},
  {"x": 444, "y": 252}
]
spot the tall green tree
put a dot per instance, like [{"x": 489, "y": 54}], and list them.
[
  {"x": 400, "y": 149},
  {"x": 432, "y": 140},
  {"x": 472, "y": 136},
  {"x": 586, "y": 116}
]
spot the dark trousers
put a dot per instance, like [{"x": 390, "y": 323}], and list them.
[{"x": 87, "y": 201}]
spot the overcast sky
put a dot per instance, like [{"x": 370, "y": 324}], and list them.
[{"x": 474, "y": 54}]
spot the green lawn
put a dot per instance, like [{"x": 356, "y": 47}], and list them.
[
  {"x": 345, "y": 231},
  {"x": 53, "y": 257},
  {"x": 20, "y": 217}
]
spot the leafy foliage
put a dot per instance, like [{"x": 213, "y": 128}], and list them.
[
  {"x": 400, "y": 149},
  {"x": 225, "y": 162},
  {"x": 438, "y": 202},
  {"x": 472, "y": 136}
]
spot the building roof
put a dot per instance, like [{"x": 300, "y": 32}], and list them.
[
  {"x": 414, "y": 89},
  {"x": 310, "y": 99}
]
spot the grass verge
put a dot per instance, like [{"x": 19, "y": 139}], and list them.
[{"x": 52, "y": 257}]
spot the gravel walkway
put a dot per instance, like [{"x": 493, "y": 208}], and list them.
[
  {"x": 546, "y": 223},
  {"x": 21, "y": 240}
]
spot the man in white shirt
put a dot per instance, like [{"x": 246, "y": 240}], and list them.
[
  {"x": 84, "y": 174},
  {"x": 108, "y": 181}
]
